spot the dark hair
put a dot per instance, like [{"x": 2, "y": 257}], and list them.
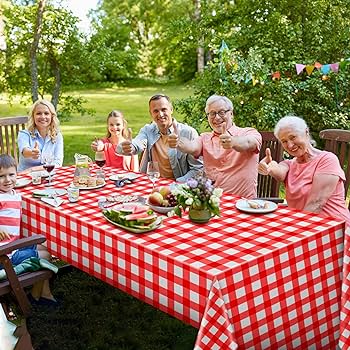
[
  {"x": 158, "y": 97},
  {"x": 7, "y": 161},
  {"x": 118, "y": 114}
]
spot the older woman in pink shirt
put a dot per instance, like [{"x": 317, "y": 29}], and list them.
[
  {"x": 314, "y": 179},
  {"x": 230, "y": 153}
]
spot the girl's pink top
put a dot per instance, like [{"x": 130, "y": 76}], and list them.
[
  {"x": 301, "y": 176},
  {"x": 114, "y": 160}
]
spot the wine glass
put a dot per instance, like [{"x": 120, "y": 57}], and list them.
[
  {"x": 100, "y": 161},
  {"x": 153, "y": 172},
  {"x": 47, "y": 160}
]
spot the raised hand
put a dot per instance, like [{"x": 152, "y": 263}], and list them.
[
  {"x": 267, "y": 164},
  {"x": 173, "y": 139},
  {"x": 97, "y": 145},
  {"x": 36, "y": 150},
  {"x": 225, "y": 139}
]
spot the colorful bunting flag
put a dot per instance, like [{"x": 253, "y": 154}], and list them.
[
  {"x": 325, "y": 69},
  {"x": 318, "y": 65},
  {"x": 299, "y": 67},
  {"x": 309, "y": 69},
  {"x": 334, "y": 67},
  {"x": 276, "y": 75}
]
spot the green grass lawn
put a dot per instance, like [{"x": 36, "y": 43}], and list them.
[{"x": 79, "y": 132}]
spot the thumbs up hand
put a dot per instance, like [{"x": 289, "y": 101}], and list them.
[
  {"x": 173, "y": 139},
  {"x": 36, "y": 150},
  {"x": 266, "y": 165},
  {"x": 225, "y": 138}
]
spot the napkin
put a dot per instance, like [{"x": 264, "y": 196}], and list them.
[{"x": 55, "y": 202}]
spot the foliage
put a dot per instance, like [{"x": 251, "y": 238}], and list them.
[
  {"x": 62, "y": 56},
  {"x": 199, "y": 193},
  {"x": 265, "y": 37}
]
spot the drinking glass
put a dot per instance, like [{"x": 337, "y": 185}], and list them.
[
  {"x": 47, "y": 160},
  {"x": 100, "y": 161},
  {"x": 153, "y": 172}
]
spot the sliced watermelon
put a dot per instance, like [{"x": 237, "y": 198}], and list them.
[{"x": 141, "y": 208}]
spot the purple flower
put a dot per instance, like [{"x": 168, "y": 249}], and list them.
[{"x": 192, "y": 183}]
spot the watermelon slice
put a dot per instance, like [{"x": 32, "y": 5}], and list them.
[
  {"x": 140, "y": 217},
  {"x": 141, "y": 208}
]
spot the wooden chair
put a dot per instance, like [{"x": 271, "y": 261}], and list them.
[
  {"x": 16, "y": 283},
  {"x": 338, "y": 142},
  {"x": 9, "y": 128},
  {"x": 268, "y": 187}
]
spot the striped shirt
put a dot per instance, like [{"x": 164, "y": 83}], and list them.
[{"x": 10, "y": 215}]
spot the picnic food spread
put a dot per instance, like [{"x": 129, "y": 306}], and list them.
[
  {"x": 133, "y": 216},
  {"x": 87, "y": 181},
  {"x": 257, "y": 205}
]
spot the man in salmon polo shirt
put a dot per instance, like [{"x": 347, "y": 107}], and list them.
[
  {"x": 230, "y": 153},
  {"x": 152, "y": 140}
]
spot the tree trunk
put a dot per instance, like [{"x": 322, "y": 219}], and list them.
[
  {"x": 57, "y": 74},
  {"x": 200, "y": 48},
  {"x": 34, "y": 50}
]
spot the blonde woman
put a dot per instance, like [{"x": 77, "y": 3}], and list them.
[{"x": 42, "y": 136}]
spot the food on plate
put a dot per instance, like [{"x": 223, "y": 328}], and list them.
[
  {"x": 87, "y": 181},
  {"x": 162, "y": 197},
  {"x": 133, "y": 215},
  {"x": 122, "y": 199},
  {"x": 257, "y": 205}
]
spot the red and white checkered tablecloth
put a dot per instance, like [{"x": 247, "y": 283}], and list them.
[{"x": 269, "y": 281}]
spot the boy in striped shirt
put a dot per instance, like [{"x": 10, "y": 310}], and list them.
[{"x": 10, "y": 223}]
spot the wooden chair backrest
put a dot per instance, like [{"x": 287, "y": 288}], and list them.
[
  {"x": 267, "y": 185},
  {"x": 338, "y": 142},
  {"x": 9, "y": 128}
]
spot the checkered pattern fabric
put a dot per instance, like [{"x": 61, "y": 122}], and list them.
[{"x": 247, "y": 281}]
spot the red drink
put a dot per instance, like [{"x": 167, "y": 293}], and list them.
[
  {"x": 100, "y": 163},
  {"x": 49, "y": 167}
]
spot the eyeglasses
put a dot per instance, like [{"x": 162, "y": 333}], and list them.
[{"x": 221, "y": 113}]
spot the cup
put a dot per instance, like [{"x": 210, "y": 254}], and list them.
[
  {"x": 36, "y": 177},
  {"x": 73, "y": 194}
]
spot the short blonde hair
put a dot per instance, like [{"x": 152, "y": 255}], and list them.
[{"x": 54, "y": 125}]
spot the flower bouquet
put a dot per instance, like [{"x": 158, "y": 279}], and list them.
[{"x": 198, "y": 194}]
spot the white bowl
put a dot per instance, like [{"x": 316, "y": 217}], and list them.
[{"x": 161, "y": 210}]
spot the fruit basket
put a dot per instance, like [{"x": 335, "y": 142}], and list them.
[{"x": 162, "y": 200}]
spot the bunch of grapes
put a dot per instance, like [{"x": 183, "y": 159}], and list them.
[{"x": 171, "y": 198}]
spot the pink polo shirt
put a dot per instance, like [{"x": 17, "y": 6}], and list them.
[
  {"x": 300, "y": 178},
  {"x": 234, "y": 172}
]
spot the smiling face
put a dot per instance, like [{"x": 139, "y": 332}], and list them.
[
  {"x": 161, "y": 111},
  {"x": 219, "y": 123},
  {"x": 115, "y": 125},
  {"x": 296, "y": 143},
  {"x": 7, "y": 179},
  {"x": 42, "y": 117}
]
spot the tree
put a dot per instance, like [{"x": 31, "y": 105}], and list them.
[
  {"x": 266, "y": 37},
  {"x": 46, "y": 39}
]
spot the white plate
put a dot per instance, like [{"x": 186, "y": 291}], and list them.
[
  {"x": 131, "y": 176},
  {"x": 49, "y": 192},
  {"x": 21, "y": 182},
  {"x": 243, "y": 205},
  {"x": 157, "y": 224},
  {"x": 88, "y": 188},
  {"x": 162, "y": 210}
]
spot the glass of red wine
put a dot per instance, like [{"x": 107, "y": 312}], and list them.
[
  {"x": 48, "y": 165},
  {"x": 100, "y": 161}
]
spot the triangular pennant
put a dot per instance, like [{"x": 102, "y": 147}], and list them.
[
  {"x": 247, "y": 79},
  {"x": 299, "y": 67},
  {"x": 255, "y": 81},
  {"x": 223, "y": 46},
  {"x": 318, "y": 65},
  {"x": 276, "y": 75},
  {"x": 309, "y": 69},
  {"x": 325, "y": 68},
  {"x": 334, "y": 67}
]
